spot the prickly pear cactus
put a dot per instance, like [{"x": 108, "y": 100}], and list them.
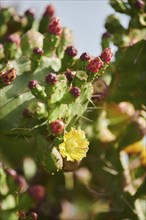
[
  {"x": 45, "y": 90},
  {"x": 131, "y": 51},
  {"x": 118, "y": 131},
  {"x": 58, "y": 107}
]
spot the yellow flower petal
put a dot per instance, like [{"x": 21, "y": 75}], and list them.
[{"x": 75, "y": 145}]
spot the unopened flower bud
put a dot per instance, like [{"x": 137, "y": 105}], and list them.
[
  {"x": 85, "y": 57},
  {"x": 37, "y": 192},
  {"x": 54, "y": 26},
  {"x": 30, "y": 13},
  {"x": 21, "y": 182},
  {"x": 36, "y": 58},
  {"x": 50, "y": 11},
  {"x": 14, "y": 38},
  {"x": 38, "y": 51},
  {"x": 26, "y": 113},
  {"x": 106, "y": 35},
  {"x": 34, "y": 215},
  {"x": 106, "y": 55},
  {"x": 140, "y": 4},
  {"x": 8, "y": 76},
  {"x": 57, "y": 126},
  {"x": 18, "y": 179},
  {"x": 75, "y": 91},
  {"x": 11, "y": 172},
  {"x": 94, "y": 65},
  {"x": 51, "y": 78},
  {"x": 69, "y": 75},
  {"x": 32, "y": 84},
  {"x": 71, "y": 51}
]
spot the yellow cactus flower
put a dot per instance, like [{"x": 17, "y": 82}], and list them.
[
  {"x": 75, "y": 145},
  {"x": 143, "y": 157},
  {"x": 135, "y": 148}
]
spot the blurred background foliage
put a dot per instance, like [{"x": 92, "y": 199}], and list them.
[{"x": 110, "y": 183}]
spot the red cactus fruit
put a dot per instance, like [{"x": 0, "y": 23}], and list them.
[
  {"x": 30, "y": 12},
  {"x": 26, "y": 113},
  {"x": 32, "y": 84},
  {"x": 54, "y": 26},
  {"x": 140, "y": 4},
  {"x": 38, "y": 51},
  {"x": 57, "y": 126},
  {"x": 106, "y": 55},
  {"x": 75, "y": 91},
  {"x": 85, "y": 57},
  {"x": 37, "y": 192},
  {"x": 14, "y": 38},
  {"x": 8, "y": 76},
  {"x": 51, "y": 78},
  {"x": 34, "y": 215},
  {"x": 69, "y": 75},
  {"x": 50, "y": 11},
  {"x": 71, "y": 51},
  {"x": 94, "y": 65}
]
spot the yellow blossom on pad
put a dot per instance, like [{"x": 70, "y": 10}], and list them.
[{"x": 75, "y": 145}]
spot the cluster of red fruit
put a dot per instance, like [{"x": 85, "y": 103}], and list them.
[
  {"x": 57, "y": 126},
  {"x": 92, "y": 66}
]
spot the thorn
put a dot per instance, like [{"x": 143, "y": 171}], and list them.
[
  {"x": 129, "y": 205},
  {"x": 109, "y": 164},
  {"x": 93, "y": 108},
  {"x": 17, "y": 136},
  {"x": 86, "y": 118},
  {"x": 111, "y": 171},
  {"x": 26, "y": 139},
  {"x": 92, "y": 103},
  {"x": 138, "y": 54},
  {"x": 37, "y": 126}
]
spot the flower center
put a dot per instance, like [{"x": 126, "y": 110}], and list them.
[{"x": 71, "y": 144}]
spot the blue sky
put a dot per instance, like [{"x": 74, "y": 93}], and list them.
[{"x": 85, "y": 18}]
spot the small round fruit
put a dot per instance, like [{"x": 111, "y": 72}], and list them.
[
  {"x": 30, "y": 12},
  {"x": 85, "y": 57},
  {"x": 34, "y": 215},
  {"x": 75, "y": 91},
  {"x": 54, "y": 26},
  {"x": 32, "y": 84},
  {"x": 57, "y": 126},
  {"x": 106, "y": 55},
  {"x": 51, "y": 78},
  {"x": 38, "y": 51},
  {"x": 71, "y": 51},
  {"x": 26, "y": 113},
  {"x": 37, "y": 192},
  {"x": 69, "y": 75}
]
